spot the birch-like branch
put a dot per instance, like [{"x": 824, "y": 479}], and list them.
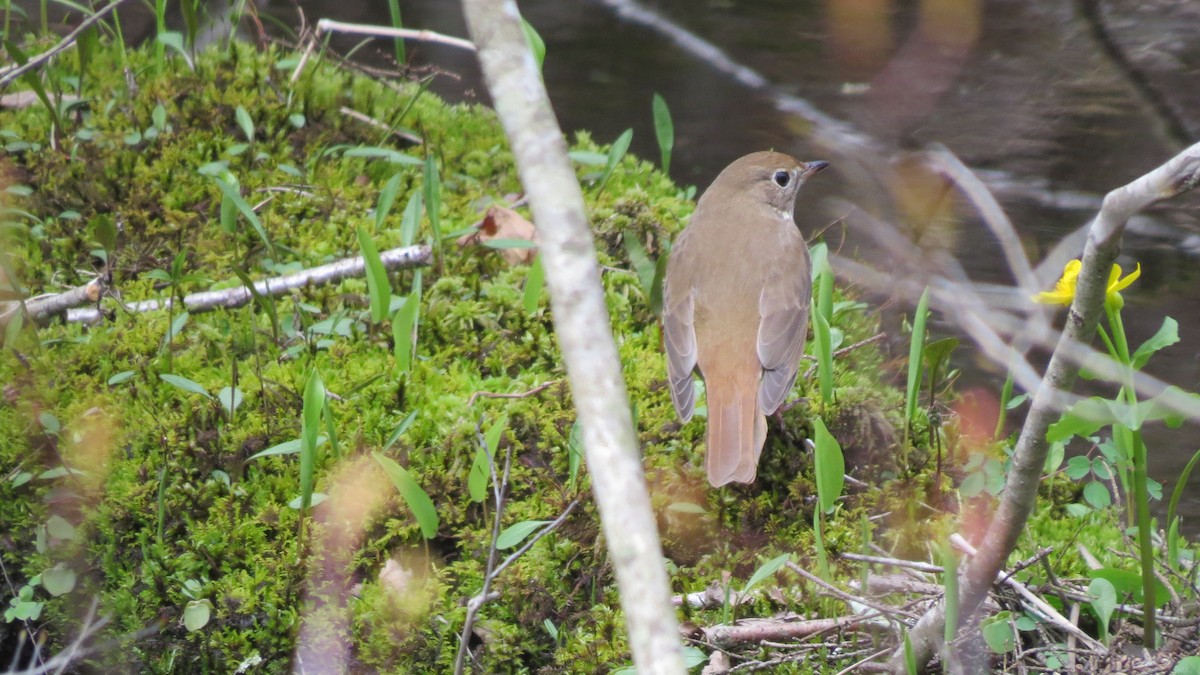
[
  {"x": 41, "y": 308},
  {"x": 330, "y": 26},
  {"x": 393, "y": 259},
  {"x": 585, "y": 334},
  {"x": 1179, "y": 175}
]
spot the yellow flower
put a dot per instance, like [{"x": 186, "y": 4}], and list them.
[{"x": 1064, "y": 289}]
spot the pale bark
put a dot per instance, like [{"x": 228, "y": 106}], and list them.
[
  {"x": 1179, "y": 175},
  {"x": 584, "y": 332},
  {"x": 236, "y": 296}
]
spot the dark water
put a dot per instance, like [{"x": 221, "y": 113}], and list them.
[{"x": 1053, "y": 103}]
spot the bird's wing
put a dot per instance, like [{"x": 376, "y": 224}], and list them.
[
  {"x": 783, "y": 308},
  {"x": 679, "y": 337}
]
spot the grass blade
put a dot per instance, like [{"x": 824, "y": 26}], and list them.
[
  {"x": 615, "y": 154},
  {"x": 432, "y": 188},
  {"x": 916, "y": 349},
  {"x": 664, "y": 131},
  {"x": 535, "y": 281},
  {"x": 830, "y": 466},
  {"x": 418, "y": 500},
  {"x": 310, "y": 427},
  {"x": 378, "y": 286}
]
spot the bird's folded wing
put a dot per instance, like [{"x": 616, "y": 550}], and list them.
[
  {"x": 679, "y": 337},
  {"x": 783, "y": 308}
]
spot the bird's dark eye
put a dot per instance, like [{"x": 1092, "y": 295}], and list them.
[{"x": 782, "y": 178}]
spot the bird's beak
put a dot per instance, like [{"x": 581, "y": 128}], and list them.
[{"x": 812, "y": 167}]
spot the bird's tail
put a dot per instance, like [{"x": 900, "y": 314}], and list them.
[{"x": 737, "y": 428}]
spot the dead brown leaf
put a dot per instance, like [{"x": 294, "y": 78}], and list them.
[{"x": 504, "y": 224}]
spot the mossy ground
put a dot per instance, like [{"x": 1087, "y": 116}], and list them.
[{"x": 131, "y": 151}]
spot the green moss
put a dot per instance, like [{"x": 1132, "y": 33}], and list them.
[{"x": 225, "y": 521}]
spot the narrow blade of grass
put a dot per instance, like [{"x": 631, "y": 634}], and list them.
[
  {"x": 378, "y": 285},
  {"x": 664, "y": 131},
  {"x": 310, "y": 427},
  {"x": 417, "y": 499}
]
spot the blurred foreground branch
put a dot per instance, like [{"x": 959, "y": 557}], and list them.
[
  {"x": 585, "y": 334},
  {"x": 1177, "y": 176}
]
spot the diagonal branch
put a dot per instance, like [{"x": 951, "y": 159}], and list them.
[
  {"x": 1179, "y": 175},
  {"x": 581, "y": 322}
]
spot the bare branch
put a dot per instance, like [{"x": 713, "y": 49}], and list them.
[
  {"x": 585, "y": 334},
  {"x": 1180, "y": 174},
  {"x": 393, "y": 259},
  {"x": 330, "y": 26}
]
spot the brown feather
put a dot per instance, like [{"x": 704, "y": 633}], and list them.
[{"x": 735, "y": 307}]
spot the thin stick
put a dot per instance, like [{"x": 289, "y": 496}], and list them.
[
  {"x": 371, "y": 121},
  {"x": 524, "y": 394},
  {"x": 393, "y": 259},
  {"x": 894, "y": 562},
  {"x": 330, "y": 26},
  {"x": 883, "y": 610}
]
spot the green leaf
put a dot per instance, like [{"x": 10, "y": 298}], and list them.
[
  {"x": 915, "y": 351},
  {"x": 1180, "y": 484},
  {"x": 1054, "y": 457},
  {"x": 516, "y": 533},
  {"x": 244, "y": 121},
  {"x": 664, "y": 131},
  {"x": 1167, "y": 335},
  {"x": 1082, "y": 419},
  {"x": 310, "y": 428},
  {"x": 49, "y": 422},
  {"x": 822, "y": 335},
  {"x": 535, "y": 281},
  {"x": 766, "y": 570},
  {"x": 185, "y": 384},
  {"x": 404, "y": 330},
  {"x": 174, "y": 40},
  {"x": 830, "y": 466},
  {"x": 694, "y": 657},
  {"x": 615, "y": 154},
  {"x": 400, "y": 429},
  {"x": 1096, "y": 495},
  {"x": 477, "y": 480},
  {"x": 1104, "y": 602},
  {"x": 373, "y": 152},
  {"x": 176, "y": 328},
  {"x": 59, "y": 528},
  {"x": 315, "y": 500},
  {"x": 387, "y": 198},
  {"x": 378, "y": 286},
  {"x": 508, "y": 243},
  {"x": 233, "y": 193},
  {"x": 1188, "y": 665},
  {"x": 432, "y": 189},
  {"x": 411, "y": 219},
  {"x": 998, "y": 633},
  {"x": 196, "y": 614},
  {"x": 537, "y": 46},
  {"x": 418, "y": 501},
  {"x": 574, "y": 453},
  {"x": 230, "y": 398},
  {"x": 58, "y": 580},
  {"x": 104, "y": 231}
]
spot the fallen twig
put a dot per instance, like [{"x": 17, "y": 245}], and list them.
[
  {"x": 43, "y": 307},
  {"x": 396, "y": 258},
  {"x": 758, "y": 630},
  {"x": 330, "y": 26},
  {"x": 523, "y": 394}
]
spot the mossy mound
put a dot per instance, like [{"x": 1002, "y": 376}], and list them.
[{"x": 169, "y": 512}]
